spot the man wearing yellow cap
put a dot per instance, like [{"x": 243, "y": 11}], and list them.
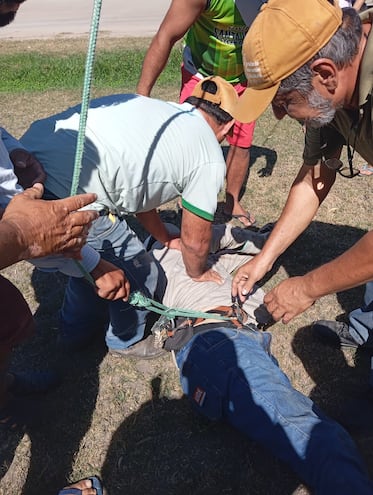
[{"x": 312, "y": 61}]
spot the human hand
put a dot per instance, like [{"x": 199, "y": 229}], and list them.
[
  {"x": 288, "y": 299},
  {"x": 27, "y": 168},
  {"x": 246, "y": 277},
  {"x": 111, "y": 282},
  {"x": 44, "y": 227},
  {"x": 209, "y": 276},
  {"x": 174, "y": 243}
]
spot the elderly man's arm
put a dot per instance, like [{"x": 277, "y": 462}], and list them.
[
  {"x": 179, "y": 17},
  {"x": 196, "y": 235},
  {"x": 295, "y": 295},
  {"x": 31, "y": 227},
  {"x": 306, "y": 194}
]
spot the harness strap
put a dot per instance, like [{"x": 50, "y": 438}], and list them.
[
  {"x": 140, "y": 300},
  {"x": 228, "y": 311}
]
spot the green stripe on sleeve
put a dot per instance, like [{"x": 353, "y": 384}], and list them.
[{"x": 197, "y": 211}]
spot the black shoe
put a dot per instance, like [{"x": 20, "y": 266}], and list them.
[
  {"x": 335, "y": 333},
  {"x": 145, "y": 349}
]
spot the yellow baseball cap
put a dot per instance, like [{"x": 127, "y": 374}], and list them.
[
  {"x": 283, "y": 37},
  {"x": 222, "y": 93}
]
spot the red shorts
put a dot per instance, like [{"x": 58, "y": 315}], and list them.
[
  {"x": 17, "y": 323},
  {"x": 242, "y": 133}
]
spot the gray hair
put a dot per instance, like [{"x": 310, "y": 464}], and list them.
[{"x": 341, "y": 49}]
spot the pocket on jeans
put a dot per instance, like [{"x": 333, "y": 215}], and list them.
[{"x": 206, "y": 398}]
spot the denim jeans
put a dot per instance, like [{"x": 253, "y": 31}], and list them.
[
  {"x": 83, "y": 313},
  {"x": 361, "y": 319},
  {"x": 230, "y": 375}
]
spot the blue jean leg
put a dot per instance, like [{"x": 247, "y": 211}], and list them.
[
  {"x": 230, "y": 375},
  {"x": 82, "y": 309},
  {"x": 361, "y": 319}
]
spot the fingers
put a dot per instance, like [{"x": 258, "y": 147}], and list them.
[
  {"x": 114, "y": 293},
  {"x": 20, "y": 164},
  {"x": 76, "y": 202},
  {"x": 34, "y": 192},
  {"x": 80, "y": 221},
  {"x": 241, "y": 285}
]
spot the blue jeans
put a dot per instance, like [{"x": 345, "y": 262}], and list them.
[
  {"x": 361, "y": 319},
  {"x": 230, "y": 375},
  {"x": 84, "y": 313}
]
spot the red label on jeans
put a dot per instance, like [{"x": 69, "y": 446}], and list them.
[{"x": 199, "y": 396}]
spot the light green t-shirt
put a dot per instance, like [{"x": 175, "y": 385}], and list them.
[{"x": 139, "y": 154}]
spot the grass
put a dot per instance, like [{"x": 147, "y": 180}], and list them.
[
  {"x": 129, "y": 421},
  {"x": 32, "y": 70}
]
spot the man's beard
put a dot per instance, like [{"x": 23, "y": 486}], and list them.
[
  {"x": 324, "y": 106},
  {"x": 6, "y": 19}
]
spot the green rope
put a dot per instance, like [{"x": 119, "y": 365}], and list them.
[
  {"x": 86, "y": 96},
  {"x": 84, "y": 112},
  {"x": 140, "y": 300}
]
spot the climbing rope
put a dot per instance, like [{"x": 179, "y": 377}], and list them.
[
  {"x": 86, "y": 96},
  {"x": 84, "y": 112},
  {"x": 139, "y": 299}
]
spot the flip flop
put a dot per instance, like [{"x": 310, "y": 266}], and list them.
[
  {"x": 366, "y": 170},
  {"x": 96, "y": 484}
]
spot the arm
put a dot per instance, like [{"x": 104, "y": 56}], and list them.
[
  {"x": 27, "y": 168},
  {"x": 358, "y": 4},
  {"x": 295, "y": 295},
  {"x": 179, "y": 17},
  {"x": 151, "y": 222},
  {"x": 309, "y": 189},
  {"x": 110, "y": 281},
  {"x": 31, "y": 227},
  {"x": 196, "y": 235}
]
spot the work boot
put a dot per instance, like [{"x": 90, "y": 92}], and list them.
[
  {"x": 336, "y": 333},
  {"x": 145, "y": 349}
]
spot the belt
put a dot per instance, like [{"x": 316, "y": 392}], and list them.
[{"x": 237, "y": 316}]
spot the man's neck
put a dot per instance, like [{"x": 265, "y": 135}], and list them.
[{"x": 353, "y": 72}]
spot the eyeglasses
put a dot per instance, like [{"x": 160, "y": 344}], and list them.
[{"x": 337, "y": 164}]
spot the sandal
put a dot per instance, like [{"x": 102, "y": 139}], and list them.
[
  {"x": 18, "y": 414},
  {"x": 75, "y": 490},
  {"x": 366, "y": 170},
  {"x": 33, "y": 382}
]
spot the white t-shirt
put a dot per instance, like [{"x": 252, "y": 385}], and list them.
[
  {"x": 8, "y": 180},
  {"x": 139, "y": 154},
  {"x": 9, "y": 187}
]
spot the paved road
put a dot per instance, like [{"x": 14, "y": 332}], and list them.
[{"x": 48, "y": 18}]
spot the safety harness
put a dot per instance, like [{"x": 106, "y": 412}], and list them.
[{"x": 176, "y": 326}]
